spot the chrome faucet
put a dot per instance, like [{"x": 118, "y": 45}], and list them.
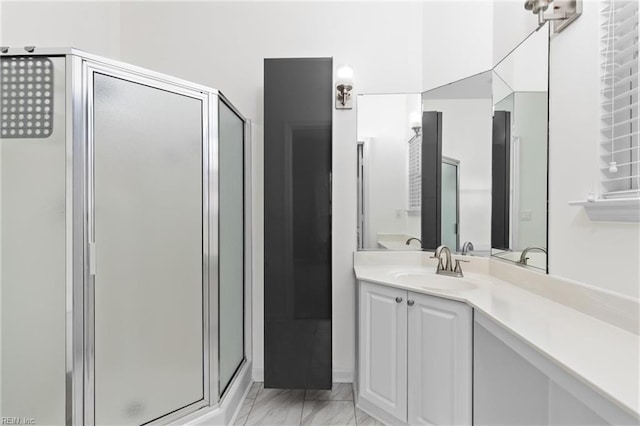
[
  {"x": 414, "y": 238},
  {"x": 467, "y": 247},
  {"x": 523, "y": 256},
  {"x": 447, "y": 268}
]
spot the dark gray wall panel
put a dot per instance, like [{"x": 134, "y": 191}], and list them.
[{"x": 297, "y": 222}]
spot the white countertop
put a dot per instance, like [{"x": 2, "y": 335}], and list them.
[{"x": 602, "y": 355}]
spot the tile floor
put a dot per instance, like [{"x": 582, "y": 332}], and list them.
[{"x": 266, "y": 407}]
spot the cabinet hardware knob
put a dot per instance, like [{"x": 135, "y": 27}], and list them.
[
  {"x": 410, "y": 302},
  {"x": 398, "y": 299}
]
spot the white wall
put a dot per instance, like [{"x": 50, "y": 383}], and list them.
[
  {"x": 457, "y": 40},
  {"x": 91, "y": 26},
  {"x": 466, "y": 136},
  {"x": 393, "y": 47},
  {"x": 224, "y": 44},
  {"x": 601, "y": 254}
]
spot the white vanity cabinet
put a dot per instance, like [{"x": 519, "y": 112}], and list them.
[
  {"x": 415, "y": 355},
  {"x": 440, "y": 361},
  {"x": 383, "y": 350}
]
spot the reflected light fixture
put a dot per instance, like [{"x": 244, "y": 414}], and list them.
[
  {"x": 415, "y": 121},
  {"x": 344, "y": 86},
  {"x": 563, "y": 12}
]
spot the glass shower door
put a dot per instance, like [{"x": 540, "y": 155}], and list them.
[
  {"x": 149, "y": 289},
  {"x": 231, "y": 302}
]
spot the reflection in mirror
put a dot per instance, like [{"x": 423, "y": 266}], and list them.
[
  {"x": 464, "y": 206},
  {"x": 389, "y": 143},
  {"x": 424, "y": 168},
  {"x": 519, "y": 153},
  {"x": 463, "y": 165}
]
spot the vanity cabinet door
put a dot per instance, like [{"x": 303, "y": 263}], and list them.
[
  {"x": 440, "y": 361},
  {"x": 383, "y": 348}
]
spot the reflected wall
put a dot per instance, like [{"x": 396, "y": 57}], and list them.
[
  {"x": 466, "y": 139},
  {"x": 392, "y": 148}
]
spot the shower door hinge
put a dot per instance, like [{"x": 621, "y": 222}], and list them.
[{"x": 92, "y": 258}]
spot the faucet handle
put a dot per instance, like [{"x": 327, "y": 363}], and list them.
[
  {"x": 440, "y": 266},
  {"x": 438, "y": 255},
  {"x": 457, "y": 267}
]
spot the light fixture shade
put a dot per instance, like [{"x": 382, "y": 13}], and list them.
[
  {"x": 415, "y": 120},
  {"x": 344, "y": 86},
  {"x": 344, "y": 75}
]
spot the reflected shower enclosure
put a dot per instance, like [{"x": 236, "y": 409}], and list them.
[{"x": 123, "y": 243}]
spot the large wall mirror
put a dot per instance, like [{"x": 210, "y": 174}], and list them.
[
  {"x": 388, "y": 146},
  {"x": 519, "y": 153},
  {"x": 462, "y": 165}
]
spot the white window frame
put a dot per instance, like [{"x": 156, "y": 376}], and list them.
[{"x": 619, "y": 122}]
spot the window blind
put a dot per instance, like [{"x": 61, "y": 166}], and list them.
[
  {"x": 619, "y": 127},
  {"x": 415, "y": 173}
]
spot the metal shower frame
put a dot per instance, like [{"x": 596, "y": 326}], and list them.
[{"x": 79, "y": 69}]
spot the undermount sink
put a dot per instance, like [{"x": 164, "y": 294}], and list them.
[{"x": 431, "y": 281}]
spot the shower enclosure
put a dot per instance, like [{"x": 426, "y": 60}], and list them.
[{"x": 124, "y": 251}]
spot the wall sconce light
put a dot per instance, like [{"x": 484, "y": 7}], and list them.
[
  {"x": 415, "y": 121},
  {"x": 564, "y": 12},
  {"x": 344, "y": 85}
]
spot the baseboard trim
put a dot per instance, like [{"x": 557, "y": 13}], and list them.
[
  {"x": 343, "y": 376},
  {"x": 258, "y": 374},
  {"x": 377, "y": 413},
  {"x": 226, "y": 411},
  {"x": 339, "y": 375}
]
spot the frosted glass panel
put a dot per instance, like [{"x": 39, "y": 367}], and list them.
[
  {"x": 449, "y": 221},
  {"x": 148, "y": 234},
  {"x": 231, "y": 244},
  {"x": 32, "y": 255}
]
